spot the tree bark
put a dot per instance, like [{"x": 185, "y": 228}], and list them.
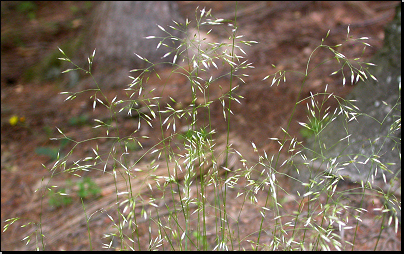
[{"x": 119, "y": 30}]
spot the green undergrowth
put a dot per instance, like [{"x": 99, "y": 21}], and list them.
[{"x": 86, "y": 189}]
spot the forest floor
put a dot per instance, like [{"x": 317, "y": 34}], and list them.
[{"x": 287, "y": 34}]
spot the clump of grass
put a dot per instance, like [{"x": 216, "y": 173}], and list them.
[{"x": 191, "y": 199}]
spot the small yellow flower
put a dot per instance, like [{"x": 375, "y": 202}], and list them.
[{"x": 13, "y": 120}]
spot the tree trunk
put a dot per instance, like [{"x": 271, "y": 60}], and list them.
[{"x": 119, "y": 30}]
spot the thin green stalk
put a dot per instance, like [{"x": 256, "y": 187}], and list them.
[
  {"x": 225, "y": 219},
  {"x": 381, "y": 230},
  {"x": 87, "y": 223}
]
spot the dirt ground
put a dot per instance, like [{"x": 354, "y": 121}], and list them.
[{"x": 287, "y": 33}]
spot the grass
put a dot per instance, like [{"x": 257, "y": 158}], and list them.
[{"x": 187, "y": 166}]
